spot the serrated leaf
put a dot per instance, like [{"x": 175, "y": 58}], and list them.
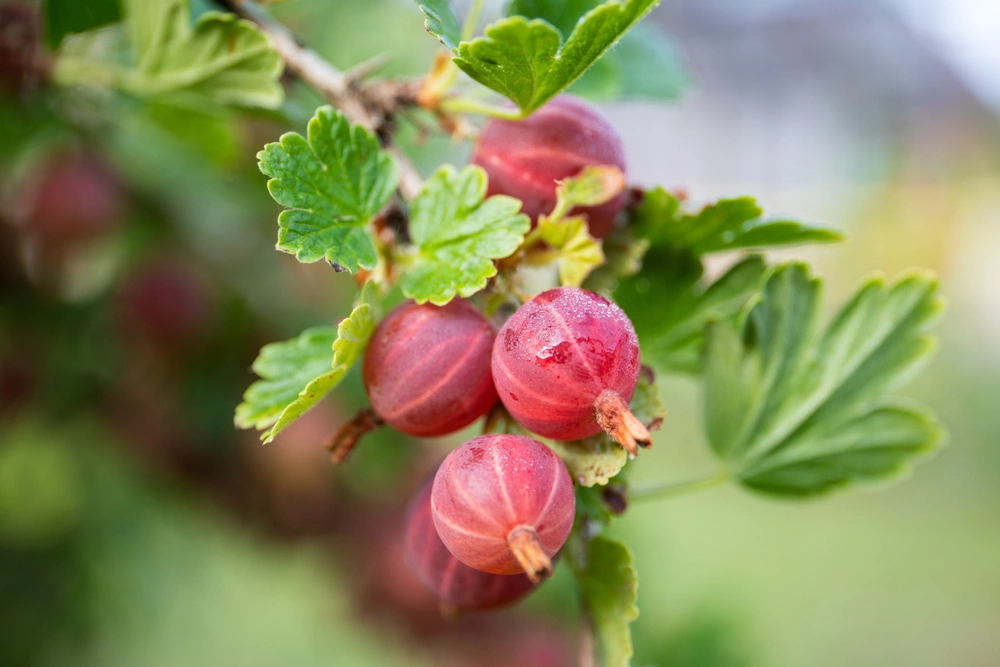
[
  {"x": 595, "y": 460},
  {"x": 442, "y": 21},
  {"x": 65, "y": 17},
  {"x": 729, "y": 224},
  {"x": 671, "y": 334},
  {"x": 609, "y": 587},
  {"x": 458, "y": 234},
  {"x": 296, "y": 374},
  {"x": 796, "y": 411},
  {"x": 333, "y": 183},
  {"x": 220, "y": 59},
  {"x": 527, "y": 60},
  {"x": 623, "y": 254},
  {"x": 643, "y": 64},
  {"x": 570, "y": 246}
]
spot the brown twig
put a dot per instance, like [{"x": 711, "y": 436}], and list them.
[
  {"x": 342, "y": 443},
  {"x": 372, "y": 110}
]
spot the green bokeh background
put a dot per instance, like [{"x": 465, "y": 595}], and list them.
[{"x": 138, "y": 528}]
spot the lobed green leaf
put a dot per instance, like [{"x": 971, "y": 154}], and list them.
[
  {"x": 457, "y": 234},
  {"x": 220, "y": 59},
  {"x": 671, "y": 335},
  {"x": 796, "y": 411},
  {"x": 527, "y": 60},
  {"x": 296, "y": 374},
  {"x": 332, "y": 183},
  {"x": 643, "y": 64},
  {"x": 729, "y": 224}
]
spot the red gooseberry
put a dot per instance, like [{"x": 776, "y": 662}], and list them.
[
  {"x": 427, "y": 368},
  {"x": 504, "y": 504},
  {"x": 453, "y": 582},
  {"x": 566, "y": 365}
]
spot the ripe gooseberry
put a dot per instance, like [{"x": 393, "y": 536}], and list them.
[
  {"x": 448, "y": 578},
  {"x": 427, "y": 368},
  {"x": 504, "y": 504},
  {"x": 566, "y": 364},
  {"x": 525, "y": 158}
]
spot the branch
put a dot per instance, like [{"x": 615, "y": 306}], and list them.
[{"x": 336, "y": 86}]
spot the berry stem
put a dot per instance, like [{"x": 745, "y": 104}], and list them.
[
  {"x": 613, "y": 415},
  {"x": 468, "y": 105},
  {"x": 342, "y": 443},
  {"x": 527, "y": 548}
]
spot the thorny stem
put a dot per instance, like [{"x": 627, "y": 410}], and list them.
[
  {"x": 660, "y": 490},
  {"x": 342, "y": 443},
  {"x": 336, "y": 86}
]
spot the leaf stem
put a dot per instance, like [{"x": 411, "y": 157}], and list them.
[
  {"x": 472, "y": 20},
  {"x": 660, "y": 490},
  {"x": 469, "y": 105}
]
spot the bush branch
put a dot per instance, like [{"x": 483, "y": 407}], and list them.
[{"x": 338, "y": 88}]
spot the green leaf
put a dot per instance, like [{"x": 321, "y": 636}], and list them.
[
  {"x": 595, "y": 460},
  {"x": 644, "y": 63},
  {"x": 591, "y": 461},
  {"x": 527, "y": 60},
  {"x": 221, "y": 58},
  {"x": 671, "y": 334},
  {"x": 458, "y": 235},
  {"x": 570, "y": 246},
  {"x": 623, "y": 254},
  {"x": 296, "y": 374},
  {"x": 729, "y": 224},
  {"x": 796, "y": 411},
  {"x": 595, "y": 185},
  {"x": 333, "y": 183},
  {"x": 65, "y": 17},
  {"x": 609, "y": 587},
  {"x": 442, "y": 21}
]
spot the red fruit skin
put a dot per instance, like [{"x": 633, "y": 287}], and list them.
[
  {"x": 525, "y": 158},
  {"x": 427, "y": 368},
  {"x": 493, "y": 484},
  {"x": 557, "y": 353},
  {"x": 446, "y": 576}
]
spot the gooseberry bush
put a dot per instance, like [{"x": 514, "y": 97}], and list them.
[{"x": 534, "y": 290}]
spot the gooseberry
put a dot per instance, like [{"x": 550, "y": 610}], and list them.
[
  {"x": 566, "y": 364},
  {"x": 525, "y": 158},
  {"x": 504, "y": 504},
  {"x": 427, "y": 368},
  {"x": 448, "y": 578}
]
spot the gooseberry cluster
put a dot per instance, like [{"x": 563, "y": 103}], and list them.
[{"x": 484, "y": 531}]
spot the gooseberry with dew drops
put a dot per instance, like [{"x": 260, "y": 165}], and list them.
[
  {"x": 566, "y": 364},
  {"x": 427, "y": 368},
  {"x": 453, "y": 582},
  {"x": 525, "y": 158},
  {"x": 504, "y": 504}
]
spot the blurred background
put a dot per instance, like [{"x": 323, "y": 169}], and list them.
[{"x": 138, "y": 281}]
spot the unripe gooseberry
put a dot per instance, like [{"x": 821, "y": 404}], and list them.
[
  {"x": 525, "y": 158},
  {"x": 504, "y": 504},
  {"x": 452, "y": 581},
  {"x": 566, "y": 364},
  {"x": 427, "y": 368}
]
